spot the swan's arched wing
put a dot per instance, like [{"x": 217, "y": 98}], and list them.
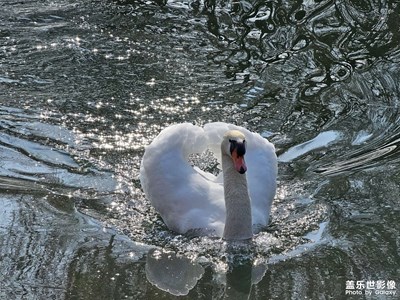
[
  {"x": 261, "y": 167},
  {"x": 184, "y": 197},
  {"x": 189, "y": 198}
]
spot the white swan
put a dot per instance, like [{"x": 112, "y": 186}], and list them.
[{"x": 193, "y": 201}]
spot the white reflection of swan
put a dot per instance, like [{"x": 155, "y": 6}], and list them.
[
  {"x": 177, "y": 275},
  {"x": 191, "y": 200},
  {"x": 171, "y": 273}
]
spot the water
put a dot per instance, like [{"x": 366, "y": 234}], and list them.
[{"x": 85, "y": 85}]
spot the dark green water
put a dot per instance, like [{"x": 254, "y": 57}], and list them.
[{"x": 86, "y": 85}]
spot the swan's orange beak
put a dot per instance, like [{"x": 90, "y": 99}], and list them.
[{"x": 238, "y": 162}]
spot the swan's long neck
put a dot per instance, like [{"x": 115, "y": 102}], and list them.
[{"x": 238, "y": 223}]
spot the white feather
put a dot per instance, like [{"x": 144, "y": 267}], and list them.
[{"x": 188, "y": 198}]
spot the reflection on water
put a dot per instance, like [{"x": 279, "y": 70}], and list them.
[
  {"x": 170, "y": 273},
  {"x": 85, "y": 86}
]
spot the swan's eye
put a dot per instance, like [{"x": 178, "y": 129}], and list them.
[
  {"x": 239, "y": 147},
  {"x": 233, "y": 145}
]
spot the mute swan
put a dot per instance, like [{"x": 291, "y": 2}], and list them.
[{"x": 191, "y": 201}]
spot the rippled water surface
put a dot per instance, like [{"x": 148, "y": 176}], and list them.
[{"x": 86, "y": 85}]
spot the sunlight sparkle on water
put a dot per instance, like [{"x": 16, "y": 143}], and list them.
[
  {"x": 151, "y": 82},
  {"x": 41, "y": 47},
  {"x": 120, "y": 57}
]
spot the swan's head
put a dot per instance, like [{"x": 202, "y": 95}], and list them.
[{"x": 234, "y": 145}]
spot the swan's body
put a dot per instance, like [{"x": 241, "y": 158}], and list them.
[{"x": 189, "y": 199}]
